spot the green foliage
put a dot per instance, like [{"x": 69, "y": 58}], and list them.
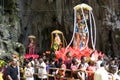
[{"x": 2, "y": 63}]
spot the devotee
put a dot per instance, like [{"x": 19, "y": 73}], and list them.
[
  {"x": 118, "y": 73},
  {"x": 82, "y": 72},
  {"x": 68, "y": 60},
  {"x": 99, "y": 61},
  {"x": 68, "y": 63},
  {"x": 12, "y": 71},
  {"x": 91, "y": 70},
  {"x": 1, "y": 78},
  {"x": 84, "y": 62},
  {"x": 60, "y": 63},
  {"x": 29, "y": 71},
  {"x": 47, "y": 65},
  {"x": 112, "y": 72},
  {"x": 84, "y": 66},
  {"x": 101, "y": 73},
  {"x": 5, "y": 68},
  {"x": 61, "y": 71},
  {"x": 36, "y": 64},
  {"x": 74, "y": 68},
  {"x": 52, "y": 71},
  {"x": 18, "y": 66},
  {"x": 42, "y": 73}
]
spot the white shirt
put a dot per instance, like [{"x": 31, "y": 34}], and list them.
[
  {"x": 101, "y": 74},
  {"x": 42, "y": 71},
  {"x": 29, "y": 71},
  {"x": 117, "y": 76},
  {"x": 98, "y": 64},
  {"x": 85, "y": 65}
]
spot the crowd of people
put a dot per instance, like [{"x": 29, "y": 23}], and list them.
[{"x": 71, "y": 69}]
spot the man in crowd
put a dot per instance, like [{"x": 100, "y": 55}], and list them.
[
  {"x": 101, "y": 73},
  {"x": 12, "y": 71},
  {"x": 42, "y": 73}
]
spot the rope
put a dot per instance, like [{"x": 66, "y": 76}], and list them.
[
  {"x": 65, "y": 41},
  {"x": 91, "y": 30},
  {"x": 73, "y": 31},
  {"x": 94, "y": 30}
]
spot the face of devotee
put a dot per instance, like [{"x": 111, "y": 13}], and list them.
[
  {"x": 84, "y": 59},
  {"x": 113, "y": 70},
  {"x": 40, "y": 60},
  {"x": 14, "y": 62},
  {"x": 69, "y": 55},
  {"x": 36, "y": 61},
  {"x": 28, "y": 64}
]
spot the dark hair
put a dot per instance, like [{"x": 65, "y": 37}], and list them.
[
  {"x": 26, "y": 62},
  {"x": 59, "y": 63},
  {"x": 31, "y": 58},
  {"x": 112, "y": 68},
  {"x": 81, "y": 65},
  {"x": 82, "y": 57},
  {"x": 67, "y": 54},
  {"x": 99, "y": 57},
  {"x": 74, "y": 60},
  {"x": 103, "y": 64},
  {"x": 60, "y": 60}
]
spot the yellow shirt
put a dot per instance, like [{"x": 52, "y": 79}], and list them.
[{"x": 1, "y": 78}]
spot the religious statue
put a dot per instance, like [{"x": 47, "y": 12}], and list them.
[
  {"x": 31, "y": 48},
  {"x": 58, "y": 40},
  {"x": 80, "y": 32}
]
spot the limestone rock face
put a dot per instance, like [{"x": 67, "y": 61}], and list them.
[
  {"x": 107, "y": 13},
  {"x": 9, "y": 29},
  {"x": 41, "y": 17}
]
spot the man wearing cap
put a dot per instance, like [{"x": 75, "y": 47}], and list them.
[{"x": 12, "y": 71}]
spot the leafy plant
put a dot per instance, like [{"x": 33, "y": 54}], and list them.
[{"x": 2, "y": 63}]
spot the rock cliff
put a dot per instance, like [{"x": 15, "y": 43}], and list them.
[{"x": 20, "y": 18}]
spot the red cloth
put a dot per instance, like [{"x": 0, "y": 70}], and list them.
[
  {"x": 76, "y": 52},
  {"x": 34, "y": 56}
]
